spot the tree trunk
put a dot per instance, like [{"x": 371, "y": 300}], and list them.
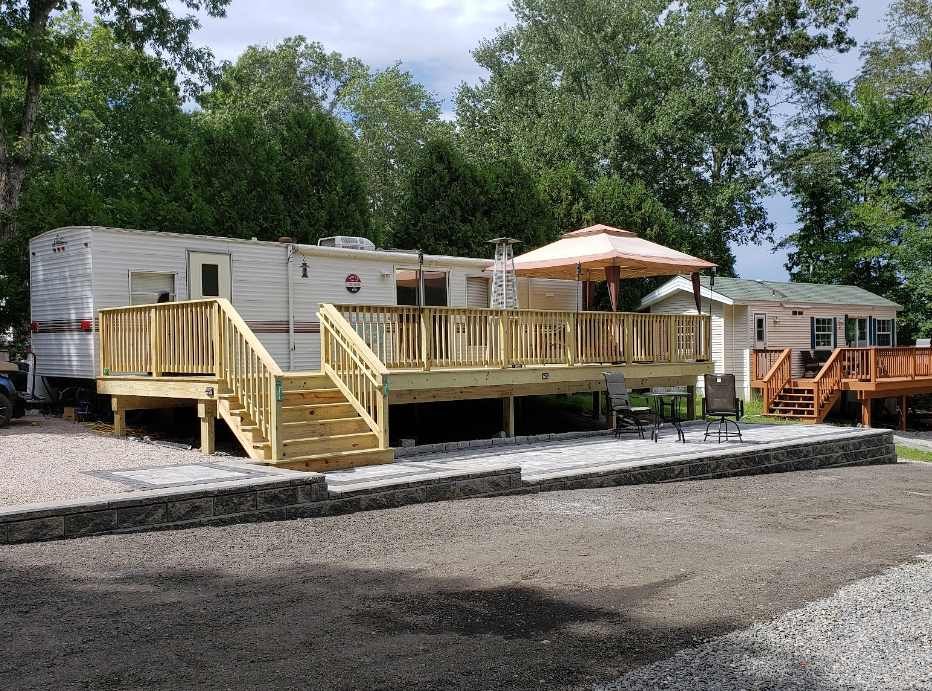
[
  {"x": 11, "y": 184},
  {"x": 15, "y": 156}
]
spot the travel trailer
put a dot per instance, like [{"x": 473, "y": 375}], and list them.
[{"x": 275, "y": 286}]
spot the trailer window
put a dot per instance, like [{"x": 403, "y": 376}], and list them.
[
  {"x": 210, "y": 280},
  {"x": 435, "y": 288},
  {"x": 145, "y": 287}
]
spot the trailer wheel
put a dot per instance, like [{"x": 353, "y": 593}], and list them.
[{"x": 6, "y": 410}]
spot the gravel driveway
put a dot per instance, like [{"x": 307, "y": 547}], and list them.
[
  {"x": 45, "y": 461},
  {"x": 562, "y": 590}
]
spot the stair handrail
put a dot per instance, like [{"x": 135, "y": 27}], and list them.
[
  {"x": 827, "y": 380},
  {"x": 777, "y": 377},
  {"x": 250, "y": 373},
  {"x": 206, "y": 336},
  {"x": 355, "y": 369}
]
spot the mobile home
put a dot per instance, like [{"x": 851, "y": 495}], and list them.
[
  {"x": 275, "y": 286},
  {"x": 807, "y": 348}
]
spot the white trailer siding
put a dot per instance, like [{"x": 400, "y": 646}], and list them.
[
  {"x": 259, "y": 280},
  {"x": 94, "y": 272},
  {"x": 62, "y": 288}
]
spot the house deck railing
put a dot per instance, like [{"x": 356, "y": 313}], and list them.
[
  {"x": 861, "y": 364},
  {"x": 445, "y": 337}
]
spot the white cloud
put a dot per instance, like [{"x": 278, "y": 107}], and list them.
[{"x": 433, "y": 38}]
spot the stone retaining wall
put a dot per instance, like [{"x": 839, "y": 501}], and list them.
[
  {"x": 276, "y": 498},
  {"x": 236, "y": 502}
]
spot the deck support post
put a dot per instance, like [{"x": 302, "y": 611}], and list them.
[
  {"x": 508, "y": 415},
  {"x": 119, "y": 416},
  {"x": 691, "y": 402},
  {"x": 903, "y": 413},
  {"x": 207, "y": 412},
  {"x": 596, "y": 405},
  {"x": 866, "y": 412}
]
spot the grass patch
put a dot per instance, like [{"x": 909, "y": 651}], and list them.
[
  {"x": 754, "y": 412},
  {"x": 911, "y": 454},
  {"x": 579, "y": 402}
]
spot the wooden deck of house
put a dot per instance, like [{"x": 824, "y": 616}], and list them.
[
  {"x": 869, "y": 372},
  {"x": 202, "y": 352}
]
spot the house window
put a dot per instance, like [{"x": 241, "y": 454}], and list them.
[
  {"x": 797, "y": 313},
  {"x": 885, "y": 333},
  {"x": 824, "y": 332},
  {"x": 760, "y": 328},
  {"x": 145, "y": 287}
]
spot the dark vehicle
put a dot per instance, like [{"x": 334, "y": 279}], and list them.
[{"x": 12, "y": 404}]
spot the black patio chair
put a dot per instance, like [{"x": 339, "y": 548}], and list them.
[
  {"x": 721, "y": 401},
  {"x": 628, "y": 418},
  {"x": 811, "y": 365},
  {"x": 822, "y": 356}
]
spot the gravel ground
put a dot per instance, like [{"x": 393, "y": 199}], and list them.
[
  {"x": 874, "y": 634},
  {"x": 57, "y": 452},
  {"x": 561, "y": 591}
]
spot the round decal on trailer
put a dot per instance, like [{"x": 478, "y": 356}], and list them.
[{"x": 353, "y": 284}]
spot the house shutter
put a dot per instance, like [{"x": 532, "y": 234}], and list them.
[
  {"x": 834, "y": 332},
  {"x": 893, "y": 335},
  {"x": 871, "y": 331},
  {"x": 847, "y": 332},
  {"x": 812, "y": 332}
]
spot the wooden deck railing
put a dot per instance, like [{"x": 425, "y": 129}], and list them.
[
  {"x": 778, "y": 376},
  {"x": 762, "y": 360},
  {"x": 878, "y": 364},
  {"x": 828, "y": 380},
  {"x": 438, "y": 337},
  {"x": 206, "y": 337},
  {"x": 862, "y": 364},
  {"x": 356, "y": 370}
]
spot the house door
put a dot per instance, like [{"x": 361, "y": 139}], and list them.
[
  {"x": 860, "y": 333},
  {"x": 760, "y": 331},
  {"x": 209, "y": 276}
]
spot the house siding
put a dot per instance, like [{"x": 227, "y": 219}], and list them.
[
  {"x": 733, "y": 336},
  {"x": 685, "y": 303}
]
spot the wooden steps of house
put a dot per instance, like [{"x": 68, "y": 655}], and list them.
[
  {"x": 797, "y": 400},
  {"x": 321, "y": 429},
  {"x": 336, "y": 461},
  {"x": 331, "y": 443},
  {"x": 306, "y": 412}
]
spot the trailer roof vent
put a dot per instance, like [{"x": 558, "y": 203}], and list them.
[{"x": 346, "y": 242}]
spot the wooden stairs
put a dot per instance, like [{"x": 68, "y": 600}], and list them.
[
  {"x": 321, "y": 429},
  {"x": 797, "y": 400}
]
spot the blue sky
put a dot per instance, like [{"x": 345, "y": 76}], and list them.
[{"x": 433, "y": 39}]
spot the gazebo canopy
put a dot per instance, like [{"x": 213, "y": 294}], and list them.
[
  {"x": 603, "y": 253},
  {"x": 600, "y": 246}
]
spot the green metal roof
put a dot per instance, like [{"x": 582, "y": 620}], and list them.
[{"x": 743, "y": 289}]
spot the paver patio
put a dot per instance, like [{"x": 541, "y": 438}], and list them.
[{"x": 568, "y": 458}]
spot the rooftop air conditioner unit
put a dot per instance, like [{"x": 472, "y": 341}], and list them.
[{"x": 346, "y": 242}]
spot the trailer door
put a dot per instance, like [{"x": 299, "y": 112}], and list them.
[{"x": 209, "y": 276}]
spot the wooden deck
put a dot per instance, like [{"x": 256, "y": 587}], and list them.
[
  {"x": 373, "y": 357},
  {"x": 869, "y": 372}
]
